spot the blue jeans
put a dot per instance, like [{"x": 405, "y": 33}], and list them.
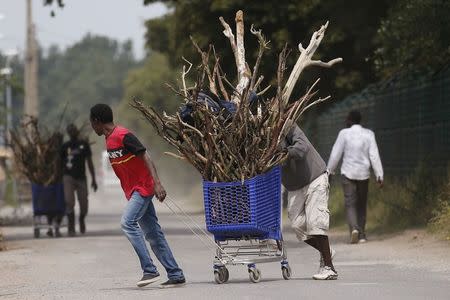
[{"x": 138, "y": 221}]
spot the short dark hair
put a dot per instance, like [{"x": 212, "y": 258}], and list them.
[
  {"x": 354, "y": 116},
  {"x": 102, "y": 113}
]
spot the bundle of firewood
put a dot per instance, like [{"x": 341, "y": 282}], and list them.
[
  {"x": 37, "y": 152},
  {"x": 232, "y": 132}
]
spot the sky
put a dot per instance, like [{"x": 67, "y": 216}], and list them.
[{"x": 118, "y": 19}]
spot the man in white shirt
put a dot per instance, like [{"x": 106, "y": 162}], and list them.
[{"x": 359, "y": 150}]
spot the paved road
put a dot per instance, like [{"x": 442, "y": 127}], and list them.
[{"x": 102, "y": 265}]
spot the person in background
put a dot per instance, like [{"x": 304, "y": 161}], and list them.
[
  {"x": 140, "y": 182},
  {"x": 358, "y": 147},
  {"x": 75, "y": 153},
  {"x": 306, "y": 181}
]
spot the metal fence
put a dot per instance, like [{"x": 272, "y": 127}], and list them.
[{"x": 409, "y": 115}]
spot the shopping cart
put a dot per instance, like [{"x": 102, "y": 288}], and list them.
[
  {"x": 48, "y": 205},
  {"x": 245, "y": 219}
]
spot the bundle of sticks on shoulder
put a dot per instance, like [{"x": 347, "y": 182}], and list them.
[{"x": 232, "y": 132}]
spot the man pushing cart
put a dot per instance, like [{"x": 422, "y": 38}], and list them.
[{"x": 244, "y": 143}]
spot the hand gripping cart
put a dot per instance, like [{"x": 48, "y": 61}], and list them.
[{"x": 245, "y": 219}]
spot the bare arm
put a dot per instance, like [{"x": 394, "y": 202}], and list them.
[
  {"x": 91, "y": 170},
  {"x": 160, "y": 192}
]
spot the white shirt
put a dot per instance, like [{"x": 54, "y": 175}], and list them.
[{"x": 360, "y": 151}]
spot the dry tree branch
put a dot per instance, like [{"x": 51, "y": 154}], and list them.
[{"x": 304, "y": 61}]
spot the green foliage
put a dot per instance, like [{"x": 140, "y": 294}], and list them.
[
  {"x": 353, "y": 25},
  {"x": 336, "y": 205},
  {"x": 88, "y": 72},
  {"x": 415, "y": 34}
]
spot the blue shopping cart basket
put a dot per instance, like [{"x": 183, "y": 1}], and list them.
[
  {"x": 248, "y": 209},
  {"x": 48, "y": 199}
]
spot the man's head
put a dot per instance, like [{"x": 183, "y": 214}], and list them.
[
  {"x": 101, "y": 115},
  {"x": 353, "y": 117},
  {"x": 72, "y": 131}
]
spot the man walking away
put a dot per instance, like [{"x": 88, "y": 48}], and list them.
[
  {"x": 359, "y": 149},
  {"x": 139, "y": 181},
  {"x": 304, "y": 177},
  {"x": 74, "y": 154}
]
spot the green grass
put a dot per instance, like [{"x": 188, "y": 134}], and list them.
[{"x": 440, "y": 223}]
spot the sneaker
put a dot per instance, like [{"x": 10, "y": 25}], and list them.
[
  {"x": 58, "y": 233},
  {"x": 173, "y": 283},
  {"x": 362, "y": 238},
  {"x": 322, "y": 262},
  {"x": 326, "y": 273},
  {"x": 354, "y": 236},
  {"x": 50, "y": 232},
  {"x": 147, "y": 279}
]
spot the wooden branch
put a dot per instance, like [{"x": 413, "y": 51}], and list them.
[
  {"x": 329, "y": 64},
  {"x": 183, "y": 75},
  {"x": 239, "y": 54},
  {"x": 304, "y": 61},
  {"x": 262, "y": 46},
  {"x": 175, "y": 155}
]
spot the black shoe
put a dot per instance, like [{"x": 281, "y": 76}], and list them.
[
  {"x": 147, "y": 279},
  {"x": 173, "y": 283},
  {"x": 82, "y": 226},
  {"x": 50, "y": 232}
]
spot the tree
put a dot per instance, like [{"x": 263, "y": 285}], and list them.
[
  {"x": 353, "y": 26},
  {"x": 415, "y": 34},
  {"x": 90, "y": 71}
]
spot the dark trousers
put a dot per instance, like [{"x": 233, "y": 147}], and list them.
[
  {"x": 72, "y": 185},
  {"x": 355, "y": 195}
]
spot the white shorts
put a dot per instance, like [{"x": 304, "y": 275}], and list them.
[{"x": 308, "y": 208}]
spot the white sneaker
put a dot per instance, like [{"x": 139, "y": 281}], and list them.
[
  {"x": 362, "y": 241},
  {"x": 326, "y": 273},
  {"x": 322, "y": 262},
  {"x": 354, "y": 236}
]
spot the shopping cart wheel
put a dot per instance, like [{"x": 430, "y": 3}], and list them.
[
  {"x": 36, "y": 233},
  {"x": 254, "y": 274},
  {"x": 286, "y": 271},
  {"x": 221, "y": 275}
]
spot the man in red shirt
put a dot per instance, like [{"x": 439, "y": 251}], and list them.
[{"x": 139, "y": 181}]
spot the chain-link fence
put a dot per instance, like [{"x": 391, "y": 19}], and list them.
[{"x": 409, "y": 115}]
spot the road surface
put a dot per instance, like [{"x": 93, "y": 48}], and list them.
[{"x": 102, "y": 265}]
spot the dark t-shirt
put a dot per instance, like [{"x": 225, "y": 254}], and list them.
[{"x": 74, "y": 155}]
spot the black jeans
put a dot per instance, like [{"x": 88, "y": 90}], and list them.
[{"x": 355, "y": 195}]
